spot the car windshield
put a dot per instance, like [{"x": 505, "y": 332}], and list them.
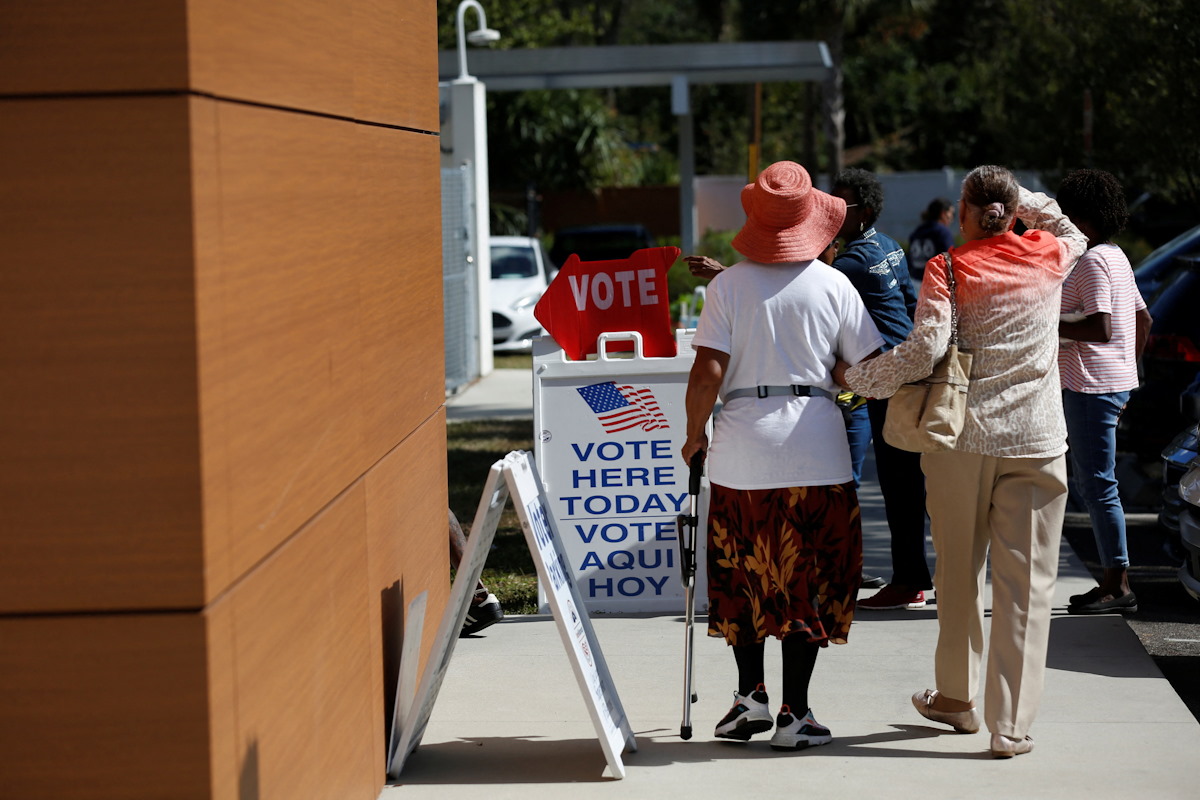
[
  {"x": 600, "y": 246},
  {"x": 1160, "y": 261},
  {"x": 513, "y": 262}
]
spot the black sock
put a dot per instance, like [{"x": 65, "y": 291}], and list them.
[
  {"x": 799, "y": 658},
  {"x": 751, "y": 672}
]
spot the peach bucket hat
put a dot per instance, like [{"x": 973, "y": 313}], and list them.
[{"x": 787, "y": 218}]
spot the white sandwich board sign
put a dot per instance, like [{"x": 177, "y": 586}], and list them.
[
  {"x": 608, "y": 435},
  {"x": 516, "y": 475}
]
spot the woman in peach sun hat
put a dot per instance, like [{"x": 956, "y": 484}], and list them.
[{"x": 784, "y": 533}]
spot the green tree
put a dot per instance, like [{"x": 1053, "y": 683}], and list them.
[
  {"x": 925, "y": 83},
  {"x": 1005, "y": 81}
]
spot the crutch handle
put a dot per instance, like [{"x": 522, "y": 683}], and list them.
[{"x": 696, "y": 472}]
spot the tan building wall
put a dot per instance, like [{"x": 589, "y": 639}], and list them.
[{"x": 223, "y": 398}]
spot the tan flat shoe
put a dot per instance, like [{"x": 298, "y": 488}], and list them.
[
  {"x": 1004, "y": 747},
  {"x": 961, "y": 721}
]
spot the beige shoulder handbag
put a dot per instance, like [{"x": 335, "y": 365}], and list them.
[{"x": 927, "y": 416}]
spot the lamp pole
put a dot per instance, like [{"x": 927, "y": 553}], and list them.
[{"x": 468, "y": 111}]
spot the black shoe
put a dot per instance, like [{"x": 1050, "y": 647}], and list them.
[
  {"x": 1090, "y": 596},
  {"x": 1125, "y": 604},
  {"x": 484, "y": 610},
  {"x": 872, "y": 581}
]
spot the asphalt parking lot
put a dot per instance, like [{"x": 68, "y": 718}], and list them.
[{"x": 1168, "y": 619}]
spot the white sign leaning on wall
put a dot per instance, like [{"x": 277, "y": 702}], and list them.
[
  {"x": 515, "y": 476},
  {"x": 608, "y": 435}
]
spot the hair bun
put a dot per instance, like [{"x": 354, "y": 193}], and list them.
[{"x": 993, "y": 210}]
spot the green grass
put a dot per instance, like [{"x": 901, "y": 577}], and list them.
[
  {"x": 513, "y": 361},
  {"x": 472, "y": 448}
]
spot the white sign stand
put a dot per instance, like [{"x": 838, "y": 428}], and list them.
[
  {"x": 409, "y": 723},
  {"x": 609, "y": 433},
  {"x": 406, "y": 680},
  {"x": 574, "y": 626}
]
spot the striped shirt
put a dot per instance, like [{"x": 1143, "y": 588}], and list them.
[{"x": 1102, "y": 283}]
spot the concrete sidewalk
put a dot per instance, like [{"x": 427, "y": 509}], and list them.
[
  {"x": 510, "y": 721},
  {"x": 502, "y": 394}
]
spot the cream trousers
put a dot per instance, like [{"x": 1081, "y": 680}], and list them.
[{"x": 1015, "y": 507}]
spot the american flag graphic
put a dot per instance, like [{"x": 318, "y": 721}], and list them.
[{"x": 620, "y": 408}]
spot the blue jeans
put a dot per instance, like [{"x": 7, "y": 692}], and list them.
[
  {"x": 858, "y": 433},
  {"x": 1092, "y": 438},
  {"x": 902, "y": 484}
]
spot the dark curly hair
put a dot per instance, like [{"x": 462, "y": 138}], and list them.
[
  {"x": 866, "y": 188},
  {"x": 1096, "y": 197}
]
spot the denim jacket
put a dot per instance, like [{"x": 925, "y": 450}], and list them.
[{"x": 878, "y": 268}]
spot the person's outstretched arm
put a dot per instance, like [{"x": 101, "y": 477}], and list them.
[{"x": 703, "y": 266}]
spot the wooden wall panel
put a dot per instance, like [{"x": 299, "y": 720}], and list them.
[
  {"x": 313, "y": 307},
  {"x": 374, "y": 60},
  {"x": 364, "y": 59},
  {"x": 76, "y": 46},
  {"x": 293, "y": 53},
  {"x": 408, "y": 550},
  {"x": 104, "y": 707},
  {"x": 99, "y": 478},
  {"x": 213, "y": 397},
  {"x": 303, "y": 645},
  {"x": 395, "y": 78},
  {"x": 277, "y": 290},
  {"x": 227, "y": 779},
  {"x": 220, "y": 330},
  {"x": 284, "y": 426},
  {"x": 399, "y": 258},
  {"x": 318, "y": 293}
]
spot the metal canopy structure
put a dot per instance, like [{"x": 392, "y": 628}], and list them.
[
  {"x": 642, "y": 65},
  {"x": 675, "y": 65}
]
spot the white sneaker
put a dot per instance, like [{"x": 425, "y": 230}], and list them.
[
  {"x": 748, "y": 716},
  {"x": 792, "y": 733}
]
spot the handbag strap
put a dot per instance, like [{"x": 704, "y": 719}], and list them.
[{"x": 953, "y": 299}]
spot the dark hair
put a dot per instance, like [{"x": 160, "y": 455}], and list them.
[
  {"x": 1096, "y": 197},
  {"x": 937, "y": 206},
  {"x": 994, "y": 191},
  {"x": 866, "y": 188}
]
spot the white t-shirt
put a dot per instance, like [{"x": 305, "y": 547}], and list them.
[{"x": 782, "y": 324}]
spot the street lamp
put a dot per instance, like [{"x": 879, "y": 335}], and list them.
[
  {"x": 469, "y": 148},
  {"x": 479, "y": 37}
]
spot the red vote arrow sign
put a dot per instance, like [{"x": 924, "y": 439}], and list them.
[{"x": 588, "y": 298}]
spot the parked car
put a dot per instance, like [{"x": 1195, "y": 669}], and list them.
[
  {"x": 1180, "y": 516},
  {"x": 599, "y": 242},
  {"x": 1169, "y": 363},
  {"x": 1189, "y": 529},
  {"x": 1155, "y": 270},
  {"x": 521, "y": 271}
]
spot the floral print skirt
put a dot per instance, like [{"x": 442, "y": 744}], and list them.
[{"x": 783, "y": 561}]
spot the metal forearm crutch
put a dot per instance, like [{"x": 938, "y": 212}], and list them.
[{"x": 685, "y": 529}]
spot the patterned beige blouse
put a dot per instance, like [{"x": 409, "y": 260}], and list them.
[{"x": 1008, "y": 290}]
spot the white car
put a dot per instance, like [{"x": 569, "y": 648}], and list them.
[{"x": 520, "y": 274}]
